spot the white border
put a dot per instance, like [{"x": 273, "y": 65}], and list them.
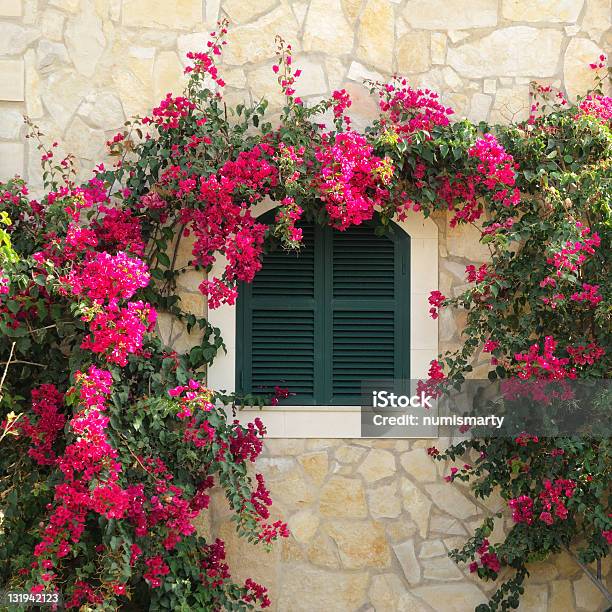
[{"x": 338, "y": 421}]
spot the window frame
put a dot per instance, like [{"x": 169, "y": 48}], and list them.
[{"x": 337, "y": 421}]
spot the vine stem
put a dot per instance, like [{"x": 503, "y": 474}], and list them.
[
  {"x": 597, "y": 582},
  {"x": 6, "y": 367}
]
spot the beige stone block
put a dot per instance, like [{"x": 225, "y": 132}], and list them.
[
  {"x": 489, "y": 86},
  {"x": 312, "y": 81},
  {"x": 480, "y": 105},
  {"x": 133, "y": 79},
  {"x": 407, "y": 559},
  {"x": 234, "y": 77},
  {"x": 413, "y": 52},
  {"x": 432, "y": 548},
  {"x": 304, "y": 525},
  {"x": 85, "y": 142},
  {"x": 291, "y": 551},
  {"x": 343, "y": 497},
  {"x": 164, "y": 327},
  {"x": 11, "y": 123},
  {"x": 349, "y": 454},
  {"x": 240, "y": 11},
  {"x": 326, "y": 29},
  {"x": 446, "y": 525},
  {"x": 193, "y": 303},
  {"x": 378, "y": 464},
  {"x": 305, "y": 589},
  {"x": 52, "y": 24},
  {"x": 360, "y": 544},
  {"x": 511, "y": 104},
  {"x": 419, "y": 465},
  {"x": 62, "y": 94},
  {"x": 577, "y": 76},
  {"x": 451, "y": 597},
  {"x": 566, "y": 564},
  {"x": 263, "y": 84},
  {"x": 543, "y": 573},
  {"x": 12, "y": 80},
  {"x": 211, "y": 13},
  {"x": 10, "y": 8},
  {"x": 274, "y": 468},
  {"x": 322, "y": 552},
  {"x": 315, "y": 444},
  {"x": 292, "y": 491},
  {"x": 376, "y": 35},
  {"x": 11, "y": 160},
  {"x": 191, "y": 42},
  {"x": 587, "y": 595},
  {"x": 534, "y": 599},
  {"x": 451, "y": 14},
  {"x": 67, "y": 5},
  {"x": 168, "y": 76},
  {"x": 177, "y": 14},
  {"x": 300, "y": 9},
  {"x": 388, "y": 594},
  {"x": 250, "y": 561},
  {"x": 203, "y": 525},
  {"x": 597, "y": 18},
  {"x": 254, "y": 42},
  {"x": 351, "y": 9},
  {"x": 555, "y": 11},
  {"x": 438, "y": 48},
  {"x": 14, "y": 38},
  {"x": 315, "y": 465},
  {"x": 442, "y": 569},
  {"x": 449, "y": 499},
  {"x": 561, "y": 596},
  {"x": 104, "y": 110},
  {"x": 85, "y": 39},
  {"x": 384, "y": 501},
  {"x": 417, "y": 504},
  {"x": 462, "y": 241},
  {"x": 512, "y": 51},
  {"x": 400, "y": 530},
  {"x": 33, "y": 100},
  {"x": 183, "y": 341},
  {"x": 284, "y": 447}
]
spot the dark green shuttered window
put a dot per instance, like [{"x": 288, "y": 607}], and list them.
[{"x": 322, "y": 320}]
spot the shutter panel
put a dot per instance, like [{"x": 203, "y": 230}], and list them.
[
  {"x": 278, "y": 324},
  {"x": 366, "y": 327},
  {"x": 324, "y": 319}
]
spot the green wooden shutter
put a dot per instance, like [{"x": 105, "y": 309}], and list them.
[
  {"x": 321, "y": 321},
  {"x": 368, "y": 323},
  {"x": 276, "y": 324}
]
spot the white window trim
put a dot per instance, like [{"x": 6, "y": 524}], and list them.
[{"x": 338, "y": 421}]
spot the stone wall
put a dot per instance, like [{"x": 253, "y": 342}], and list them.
[{"x": 371, "y": 520}]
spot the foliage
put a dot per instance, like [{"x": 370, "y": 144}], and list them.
[{"x": 114, "y": 438}]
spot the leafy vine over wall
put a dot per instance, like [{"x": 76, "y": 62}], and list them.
[{"x": 112, "y": 441}]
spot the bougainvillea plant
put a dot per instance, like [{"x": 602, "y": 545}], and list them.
[{"x": 112, "y": 441}]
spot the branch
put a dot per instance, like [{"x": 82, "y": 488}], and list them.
[
  {"x": 598, "y": 583},
  {"x": 6, "y": 367}
]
